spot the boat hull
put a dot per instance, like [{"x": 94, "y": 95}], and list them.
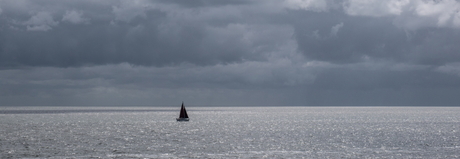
[{"x": 182, "y": 119}]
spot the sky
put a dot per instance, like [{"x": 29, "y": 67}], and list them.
[{"x": 230, "y": 53}]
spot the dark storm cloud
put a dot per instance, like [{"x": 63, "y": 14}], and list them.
[
  {"x": 205, "y": 3},
  {"x": 138, "y": 32},
  {"x": 293, "y": 52},
  {"x": 360, "y": 37}
]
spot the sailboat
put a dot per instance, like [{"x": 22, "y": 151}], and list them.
[{"x": 183, "y": 114}]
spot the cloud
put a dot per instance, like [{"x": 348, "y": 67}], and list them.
[
  {"x": 42, "y": 21},
  {"x": 39, "y": 28},
  {"x": 374, "y": 7},
  {"x": 312, "y": 5},
  {"x": 81, "y": 84},
  {"x": 445, "y": 13},
  {"x": 335, "y": 29},
  {"x": 409, "y": 14},
  {"x": 126, "y": 11},
  {"x": 296, "y": 52},
  {"x": 166, "y": 36},
  {"x": 75, "y": 17},
  {"x": 450, "y": 68}
]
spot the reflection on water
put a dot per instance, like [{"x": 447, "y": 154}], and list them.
[{"x": 239, "y": 132}]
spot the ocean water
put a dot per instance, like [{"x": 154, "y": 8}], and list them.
[{"x": 230, "y": 132}]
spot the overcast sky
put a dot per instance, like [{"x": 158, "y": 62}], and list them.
[{"x": 230, "y": 53}]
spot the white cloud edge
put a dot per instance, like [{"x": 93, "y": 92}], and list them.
[
  {"x": 449, "y": 68},
  {"x": 407, "y": 14},
  {"x": 75, "y": 17},
  {"x": 311, "y": 5},
  {"x": 335, "y": 29},
  {"x": 41, "y": 21}
]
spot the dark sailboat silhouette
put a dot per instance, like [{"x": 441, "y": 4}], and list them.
[{"x": 183, "y": 114}]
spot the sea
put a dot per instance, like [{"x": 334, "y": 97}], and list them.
[{"x": 229, "y": 132}]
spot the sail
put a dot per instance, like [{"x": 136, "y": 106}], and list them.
[{"x": 183, "y": 112}]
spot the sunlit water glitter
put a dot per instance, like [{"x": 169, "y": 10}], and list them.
[{"x": 230, "y": 132}]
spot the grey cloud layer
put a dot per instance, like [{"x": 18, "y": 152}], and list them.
[
  {"x": 293, "y": 52},
  {"x": 137, "y": 32}
]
